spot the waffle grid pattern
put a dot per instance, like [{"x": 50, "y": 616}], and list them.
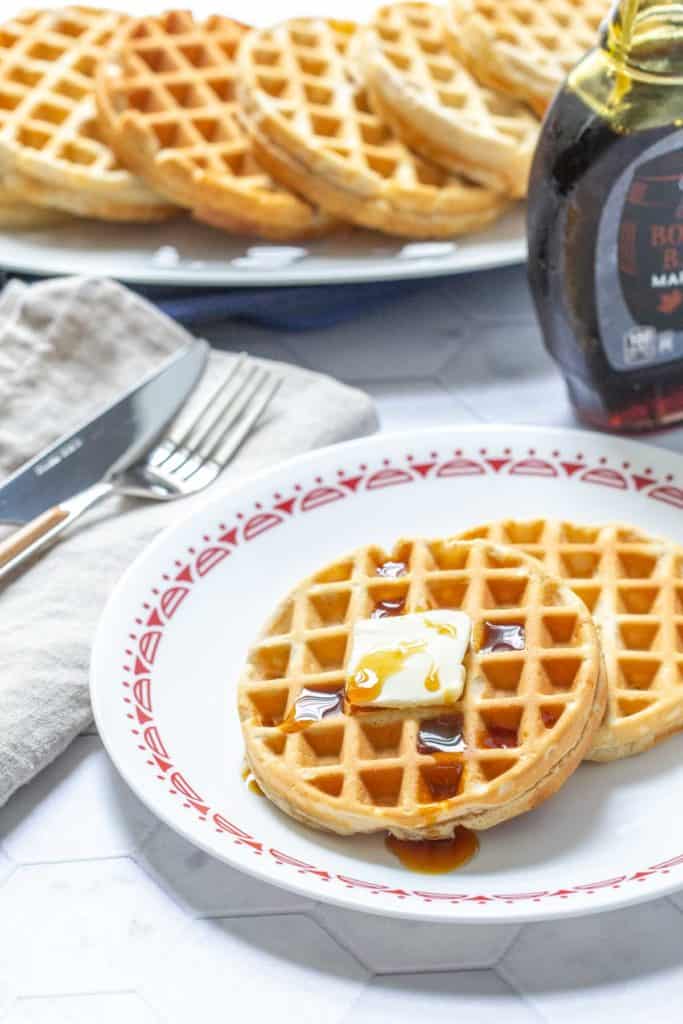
[
  {"x": 442, "y": 102},
  {"x": 48, "y": 124},
  {"x": 369, "y": 759},
  {"x": 633, "y": 586},
  {"x": 300, "y": 102},
  {"x": 174, "y": 81},
  {"x": 524, "y": 46}
]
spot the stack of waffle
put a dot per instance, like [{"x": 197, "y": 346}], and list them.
[
  {"x": 410, "y": 124},
  {"x": 576, "y": 652}
]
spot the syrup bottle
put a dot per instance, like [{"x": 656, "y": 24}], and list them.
[{"x": 605, "y": 222}]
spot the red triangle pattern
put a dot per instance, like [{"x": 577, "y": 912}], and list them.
[
  {"x": 286, "y": 506},
  {"x": 497, "y": 464},
  {"x": 258, "y": 524},
  {"x": 423, "y": 468}
]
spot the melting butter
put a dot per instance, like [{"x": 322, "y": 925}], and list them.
[{"x": 408, "y": 660}]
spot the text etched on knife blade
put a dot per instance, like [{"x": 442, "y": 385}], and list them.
[{"x": 68, "y": 448}]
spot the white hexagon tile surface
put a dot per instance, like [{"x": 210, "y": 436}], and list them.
[{"x": 107, "y": 916}]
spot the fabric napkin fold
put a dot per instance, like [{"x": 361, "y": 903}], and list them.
[{"x": 69, "y": 347}]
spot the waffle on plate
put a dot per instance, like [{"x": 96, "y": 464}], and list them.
[
  {"x": 315, "y": 128},
  {"x": 166, "y": 98},
  {"x": 436, "y": 106},
  {"x": 526, "y": 716},
  {"x": 51, "y": 149},
  {"x": 523, "y": 47},
  {"x": 633, "y": 585}
]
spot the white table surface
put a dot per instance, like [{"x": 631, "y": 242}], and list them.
[{"x": 107, "y": 917}]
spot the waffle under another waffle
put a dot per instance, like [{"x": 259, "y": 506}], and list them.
[
  {"x": 436, "y": 107},
  {"x": 361, "y": 771},
  {"x": 523, "y": 47},
  {"x": 317, "y": 131},
  {"x": 166, "y": 98},
  {"x": 15, "y": 213},
  {"x": 51, "y": 150},
  {"x": 633, "y": 585}
]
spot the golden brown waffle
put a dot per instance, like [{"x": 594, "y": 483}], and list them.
[
  {"x": 51, "y": 150},
  {"x": 528, "y": 716},
  {"x": 14, "y": 213},
  {"x": 633, "y": 585},
  {"x": 436, "y": 107},
  {"x": 319, "y": 133},
  {"x": 166, "y": 98},
  {"x": 523, "y": 47}
]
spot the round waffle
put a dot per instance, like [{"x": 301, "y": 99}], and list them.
[
  {"x": 527, "y": 717},
  {"x": 14, "y": 213},
  {"x": 523, "y": 47},
  {"x": 167, "y": 106},
  {"x": 51, "y": 151},
  {"x": 436, "y": 107},
  {"x": 318, "y": 132},
  {"x": 632, "y": 584}
]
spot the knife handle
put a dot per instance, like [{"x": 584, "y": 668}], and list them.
[
  {"x": 21, "y": 540},
  {"x": 40, "y": 533}
]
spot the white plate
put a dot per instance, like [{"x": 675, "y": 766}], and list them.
[
  {"x": 181, "y": 253},
  {"x": 174, "y": 634}
]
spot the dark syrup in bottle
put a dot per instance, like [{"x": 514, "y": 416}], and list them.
[{"x": 605, "y": 222}]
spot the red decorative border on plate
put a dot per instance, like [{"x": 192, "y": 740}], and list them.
[{"x": 178, "y": 584}]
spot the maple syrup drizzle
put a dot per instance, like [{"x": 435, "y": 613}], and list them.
[
  {"x": 433, "y": 680},
  {"x": 434, "y": 856},
  {"x": 312, "y": 706},
  {"x": 441, "y": 735},
  {"x": 385, "y": 609},
  {"x": 503, "y": 636},
  {"x": 498, "y": 738},
  {"x": 549, "y": 717},
  {"x": 392, "y": 570},
  {"x": 373, "y": 670},
  {"x": 250, "y": 779}
]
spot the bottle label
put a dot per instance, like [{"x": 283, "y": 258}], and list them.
[{"x": 639, "y": 260}]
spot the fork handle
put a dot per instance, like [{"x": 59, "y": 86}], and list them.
[{"x": 41, "y": 532}]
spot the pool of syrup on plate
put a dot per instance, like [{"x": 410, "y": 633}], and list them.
[
  {"x": 441, "y": 737},
  {"x": 434, "y": 856}
]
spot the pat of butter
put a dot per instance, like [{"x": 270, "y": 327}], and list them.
[{"x": 407, "y": 661}]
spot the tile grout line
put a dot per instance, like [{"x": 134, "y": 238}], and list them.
[
  {"x": 509, "y": 945},
  {"x": 94, "y": 859},
  {"x": 350, "y": 1012},
  {"x": 170, "y": 892},
  {"x": 503, "y": 975},
  {"x": 232, "y": 915},
  {"x": 669, "y": 899},
  {"x": 315, "y": 916},
  {"x": 464, "y": 969}
]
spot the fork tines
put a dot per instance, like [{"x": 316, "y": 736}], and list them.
[{"x": 217, "y": 430}]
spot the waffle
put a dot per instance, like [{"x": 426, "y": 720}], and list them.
[
  {"x": 51, "y": 151},
  {"x": 522, "y": 47},
  {"x": 167, "y": 106},
  {"x": 14, "y": 213},
  {"x": 319, "y": 133},
  {"x": 633, "y": 585},
  {"x": 436, "y": 107},
  {"x": 528, "y": 717}
]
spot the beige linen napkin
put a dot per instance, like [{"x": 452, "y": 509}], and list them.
[{"x": 67, "y": 348}]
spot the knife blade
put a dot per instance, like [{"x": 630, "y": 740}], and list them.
[{"x": 111, "y": 441}]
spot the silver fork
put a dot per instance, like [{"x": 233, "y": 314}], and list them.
[{"x": 186, "y": 460}]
